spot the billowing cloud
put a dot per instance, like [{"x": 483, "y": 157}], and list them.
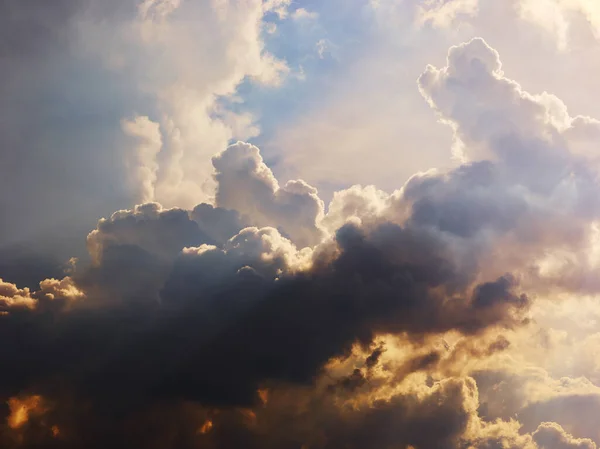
[
  {"x": 393, "y": 320},
  {"x": 538, "y": 179},
  {"x": 246, "y": 184},
  {"x": 146, "y": 82},
  {"x": 132, "y": 252},
  {"x": 188, "y": 72}
]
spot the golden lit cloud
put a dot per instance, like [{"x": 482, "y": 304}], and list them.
[
  {"x": 206, "y": 427},
  {"x": 21, "y": 409}
]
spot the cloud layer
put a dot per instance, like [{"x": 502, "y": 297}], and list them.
[{"x": 388, "y": 320}]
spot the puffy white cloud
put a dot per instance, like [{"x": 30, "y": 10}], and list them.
[
  {"x": 366, "y": 204},
  {"x": 184, "y": 58},
  {"x": 533, "y": 172},
  {"x": 246, "y": 184},
  {"x": 472, "y": 95},
  {"x": 238, "y": 272},
  {"x": 264, "y": 250},
  {"x": 268, "y": 246},
  {"x": 143, "y": 164}
]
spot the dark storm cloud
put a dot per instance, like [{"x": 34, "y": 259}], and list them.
[
  {"x": 436, "y": 420},
  {"x": 390, "y": 281},
  {"x": 226, "y": 326}
]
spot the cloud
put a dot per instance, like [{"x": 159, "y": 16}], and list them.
[
  {"x": 136, "y": 81},
  {"x": 492, "y": 204},
  {"x": 12, "y": 296},
  {"x": 144, "y": 166},
  {"x": 442, "y": 13},
  {"x": 393, "y": 320},
  {"x": 21, "y": 409},
  {"x": 133, "y": 251},
  {"x": 552, "y": 436},
  {"x": 322, "y": 47},
  {"x": 564, "y": 21},
  {"x": 246, "y": 184},
  {"x": 50, "y": 291},
  {"x": 304, "y": 14},
  {"x": 223, "y": 308},
  {"x": 495, "y": 120},
  {"x": 217, "y": 223},
  {"x": 561, "y": 18},
  {"x": 188, "y": 78},
  {"x": 379, "y": 292},
  {"x": 365, "y": 204}
]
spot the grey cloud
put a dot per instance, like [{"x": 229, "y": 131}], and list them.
[
  {"x": 272, "y": 326},
  {"x": 436, "y": 418},
  {"x": 223, "y": 329},
  {"x": 164, "y": 232},
  {"x": 218, "y": 223},
  {"x": 133, "y": 251}
]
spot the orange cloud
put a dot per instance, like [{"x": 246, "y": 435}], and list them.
[
  {"x": 22, "y": 408},
  {"x": 206, "y": 427}
]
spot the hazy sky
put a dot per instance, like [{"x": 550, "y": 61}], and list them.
[{"x": 299, "y": 224}]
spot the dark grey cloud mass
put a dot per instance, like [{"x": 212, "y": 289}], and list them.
[{"x": 226, "y": 321}]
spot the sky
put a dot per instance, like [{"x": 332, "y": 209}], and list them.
[{"x": 369, "y": 224}]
